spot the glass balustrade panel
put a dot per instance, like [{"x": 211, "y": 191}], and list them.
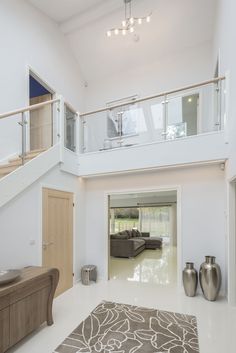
[
  {"x": 126, "y": 126},
  {"x": 25, "y": 135},
  {"x": 70, "y": 128},
  {"x": 186, "y": 113}
]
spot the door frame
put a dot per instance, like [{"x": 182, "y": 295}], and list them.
[
  {"x": 63, "y": 189},
  {"x": 38, "y": 77},
  {"x": 32, "y": 72},
  {"x": 178, "y": 190},
  {"x": 231, "y": 241}
]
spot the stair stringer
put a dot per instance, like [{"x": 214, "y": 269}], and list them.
[{"x": 17, "y": 181}]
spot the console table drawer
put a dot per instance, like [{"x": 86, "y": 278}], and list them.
[
  {"x": 4, "y": 301},
  {"x": 28, "y": 314},
  {"x": 4, "y": 330},
  {"x": 31, "y": 288},
  {"x": 26, "y": 304}
]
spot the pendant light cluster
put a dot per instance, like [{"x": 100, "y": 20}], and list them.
[{"x": 129, "y": 23}]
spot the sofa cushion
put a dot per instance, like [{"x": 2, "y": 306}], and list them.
[
  {"x": 122, "y": 235},
  {"x": 145, "y": 234},
  {"x": 129, "y": 232},
  {"x": 123, "y": 232},
  {"x": 153, "y": 242},
  {"x": 135, "y": 233},
  {"x": 137, "y": 243}
]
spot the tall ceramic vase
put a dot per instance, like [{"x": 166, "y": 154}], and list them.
[
  {"x": 190, "y": 279},
  {"x": 210, "y": 278}
]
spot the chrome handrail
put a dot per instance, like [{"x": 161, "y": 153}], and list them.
[
  {"x": 204, "y": 83},
  {"x": 28, "y": 108}
]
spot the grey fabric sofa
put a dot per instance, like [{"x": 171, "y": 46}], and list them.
[{"x": 130, "y": 243}]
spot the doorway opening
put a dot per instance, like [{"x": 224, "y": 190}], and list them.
[
  {"x": 143, "y": 237},
  {"x": 41, "y": 120}
]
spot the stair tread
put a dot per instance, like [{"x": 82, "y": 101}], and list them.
[
  {"x": 11, "y": 164},
  {"x": 8, "y": 169},
  {"x": 29, "y": 155},
  {"x": 16, "y": 162}
]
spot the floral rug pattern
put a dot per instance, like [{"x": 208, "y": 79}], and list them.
[{"x": 121, "y": 328}]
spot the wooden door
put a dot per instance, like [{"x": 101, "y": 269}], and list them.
[
  {"x": 41, "y": 124},
  {"x": 58, "y": 235}
]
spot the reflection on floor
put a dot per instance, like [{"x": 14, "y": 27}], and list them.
[
  {"x": 216, "y": 320},
  {"x": 151, "y": 266}
]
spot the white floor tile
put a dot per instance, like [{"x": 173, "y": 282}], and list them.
[{"x": 216, "y": 320}]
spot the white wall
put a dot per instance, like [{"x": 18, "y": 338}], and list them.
[
  {"x": 224, "y": 43},
  {"x": 29, "y": 38},
  {"x": 21, "y": 223},
  {"x": 202, "y": 211},
  {"x": 224, "y": 47},
  {"x": 186, "y": 67}
]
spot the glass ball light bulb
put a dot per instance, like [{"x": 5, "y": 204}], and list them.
[
  {"x": 148, "y": 19},
  {"x": 116, "y": 31},
  {"x": 140, "y": 21},
  {"x": 131, "y": 30},
  {"x": 131, "y": 20},
  {"x": 124, "y": 32},
  {"x": 124, "y": 23},
  {"x": 109, "y": 33}
]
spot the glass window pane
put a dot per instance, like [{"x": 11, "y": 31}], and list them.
[{"x": 70, "y": 138}]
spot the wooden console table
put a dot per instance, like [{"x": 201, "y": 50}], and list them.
[{"x": 26, "y": 304}]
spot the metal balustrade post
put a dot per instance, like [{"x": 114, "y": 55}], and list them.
[
  {"x": 60, "y": 133},
  {"x": 120, "y": 127},
  {"x": 218, "y": 104},
  {"x": 23, "y": 124},
  {"x": 82, "y": 128},
  {"x": 165, "y": 116}
]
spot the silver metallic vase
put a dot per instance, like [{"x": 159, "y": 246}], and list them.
[
  {"x": 210, "y": 278},
  {"x": 190, "y": 279}
]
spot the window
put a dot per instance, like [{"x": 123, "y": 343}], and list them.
[
  {"x": 156, "y": 220},
  {"x": 123, "y": 218}
]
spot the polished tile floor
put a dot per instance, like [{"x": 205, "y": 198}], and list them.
[
  {"x": 216, "y": 320},
  {"x": 151, "y": 266}
]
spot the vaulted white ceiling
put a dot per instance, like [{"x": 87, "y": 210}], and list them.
[
  {"x": 176, "y": 26},
  {"x": 62, "y": 10}
]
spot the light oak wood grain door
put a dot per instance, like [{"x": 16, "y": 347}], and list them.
[
  {"x": 41, "y": 126},
  {"x": 58, "y": 235}
]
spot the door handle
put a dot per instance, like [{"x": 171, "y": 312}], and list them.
[{"x": 45, "y": 244}]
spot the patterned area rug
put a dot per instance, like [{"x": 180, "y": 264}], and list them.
[{"x": 120, "y": 328}]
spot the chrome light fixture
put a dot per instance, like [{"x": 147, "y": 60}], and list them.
[{"x": 129, "y": 23}]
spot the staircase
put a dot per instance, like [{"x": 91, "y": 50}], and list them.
[{"x": 16, "y": 162}]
